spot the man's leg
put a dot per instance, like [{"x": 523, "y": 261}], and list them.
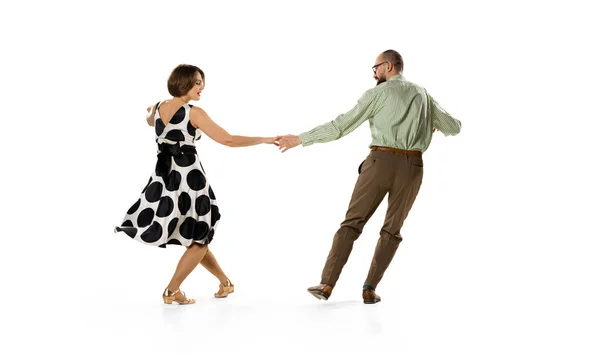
[
  {"x": 404, "y": 190},
  {"x": 370, "y": 189}
]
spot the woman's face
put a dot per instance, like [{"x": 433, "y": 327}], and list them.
[{"x": 196, "y": 90}]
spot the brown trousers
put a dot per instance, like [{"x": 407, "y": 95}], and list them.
[{"x": 381, "y": 173}]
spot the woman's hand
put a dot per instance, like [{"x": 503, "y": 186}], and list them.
[{"x": 272, "y": 140}]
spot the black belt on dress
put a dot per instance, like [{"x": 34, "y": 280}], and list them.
[{"x": 166, "y": 151}]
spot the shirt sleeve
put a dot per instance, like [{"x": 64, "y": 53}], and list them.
[
  {"x": 344, "y": 124},
  {"x": 443, "y": 121}
]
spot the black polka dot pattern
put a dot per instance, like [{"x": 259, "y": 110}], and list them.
[
  {"x": 165, "y": 207},
  {"x": 134, "y": 207},
  {"x": 185, "y": 160},
  {"x": 174, "y": 242},
  {"x": 178, "y": 117},
  {"x": 202, "y": 205},
  {"x": 149, "y": 181},
  {"x": 187, "y": 228},
  {"x": 184, "y": 203},
  {"x": 145, "y": 217},
  {"x": 173, "y": 181},
  {"x": 196, "y": 180},
  {"x": 159, "y": 127},
  {"x": 154, "y": 219},
  {"x": 130, "y": 231},
  {"x": 175, "y": 135},
  {"x": 201, "y": 231},
  {"x": 172, "y": 226},
  {"x": 153, "y": 233},
  {"x": 154, "y": 192},
  {"x": 214, "y": 215},
  {"x": 191, "y": 129}
]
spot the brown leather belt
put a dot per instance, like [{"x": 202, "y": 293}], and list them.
[{"x": 397, "y": 151}]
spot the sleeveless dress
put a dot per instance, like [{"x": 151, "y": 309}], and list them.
[{"x": 177, "y": 206}]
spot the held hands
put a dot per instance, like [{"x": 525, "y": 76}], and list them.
[
  {"x": 271, "y": 141},
  {"x": 284, "y": 142}
]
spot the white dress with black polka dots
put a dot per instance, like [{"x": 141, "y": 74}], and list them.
[{"x": 177, "y": 206}]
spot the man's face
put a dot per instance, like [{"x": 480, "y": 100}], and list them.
[{"x": 379, "y": 69}]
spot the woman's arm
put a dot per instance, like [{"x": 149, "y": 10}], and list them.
[
  {"x": 150, "y": 116},
  {"x": 202, "y": 121}
]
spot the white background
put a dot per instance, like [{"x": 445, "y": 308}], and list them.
[{"x": 500, "y": 251}]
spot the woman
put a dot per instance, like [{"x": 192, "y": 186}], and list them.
[{"x": 178, "y": 206}]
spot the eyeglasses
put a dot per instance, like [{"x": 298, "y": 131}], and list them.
[{"x": 376, "y": 65}]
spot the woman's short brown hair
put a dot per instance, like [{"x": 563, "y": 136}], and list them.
[{"x": 182, "y": 79}]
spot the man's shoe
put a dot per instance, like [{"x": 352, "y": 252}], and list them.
[
  {"x": 369, "y": 297},
  {"x": 321, "y": 291}
]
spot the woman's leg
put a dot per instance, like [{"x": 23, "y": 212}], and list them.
[
  {"x": 190, "y": 259},
  {"x": 210, "y": 263}
]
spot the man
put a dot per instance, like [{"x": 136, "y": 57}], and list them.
[{"x": 402, "y": 117}]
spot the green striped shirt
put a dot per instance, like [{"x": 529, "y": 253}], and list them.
[{"x": 401, "y": 115}]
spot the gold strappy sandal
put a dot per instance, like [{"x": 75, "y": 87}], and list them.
[
  {"x": 224, "y": 290},
  {"x": 169, "y": 297}
]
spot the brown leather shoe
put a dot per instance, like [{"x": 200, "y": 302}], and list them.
[
  {"x": 369, "y": 297},
  {"x": 321, "y": 291}
]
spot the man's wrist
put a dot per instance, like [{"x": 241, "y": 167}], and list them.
[{"x": 304, "y": 139}]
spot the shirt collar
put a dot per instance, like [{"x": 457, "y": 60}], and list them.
[{"x": 397, "y": 77}]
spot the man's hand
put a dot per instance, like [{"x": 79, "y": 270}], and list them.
[{"x": 287, "y": 142}]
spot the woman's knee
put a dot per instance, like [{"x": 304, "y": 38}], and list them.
[{"x": 197, "y": 247}]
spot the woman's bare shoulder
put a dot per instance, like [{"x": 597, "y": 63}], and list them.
[{"x": 195, "y": 110}]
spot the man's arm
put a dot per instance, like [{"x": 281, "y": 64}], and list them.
[
  {"x": 443, "y": 121},
  {"x": 344, "y": 124}
]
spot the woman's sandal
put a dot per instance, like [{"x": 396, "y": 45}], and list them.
[
  {"x": 224, "y": 290},
  {"x": 170, "y": 296}
]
